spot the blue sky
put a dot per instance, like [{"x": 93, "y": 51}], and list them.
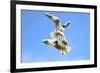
[{"x": 36, "y": 27}]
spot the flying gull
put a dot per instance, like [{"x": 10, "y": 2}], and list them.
[{"x": 58, "y": 38}]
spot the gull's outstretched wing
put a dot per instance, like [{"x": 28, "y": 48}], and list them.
[
  {"x": 55, "y": 19},
  {"x": 49, "y": 42}
]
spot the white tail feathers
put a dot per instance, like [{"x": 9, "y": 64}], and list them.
[{"x": 69, "y": 49}]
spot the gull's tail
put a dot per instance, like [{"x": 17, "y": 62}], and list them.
[
  {"x": 69, "y": 49},
  {"x": 64, "y": 52}
]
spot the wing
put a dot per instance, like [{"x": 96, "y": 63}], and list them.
[
  {"x": 66, "y": 24},
  {"x": 55, "y": 19},
  {"x": 49, "y": 41}
]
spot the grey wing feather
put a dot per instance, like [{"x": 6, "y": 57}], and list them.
[{"x": 55, "y": 19}]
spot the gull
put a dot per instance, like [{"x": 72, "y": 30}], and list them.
[
  {"x": 59, "y": 29},
  {"x": 58, "y": 39}
]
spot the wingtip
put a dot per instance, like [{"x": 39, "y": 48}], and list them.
[
  {"x": 46, "y": 13},
  {"x": 45, "y": 41}
]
